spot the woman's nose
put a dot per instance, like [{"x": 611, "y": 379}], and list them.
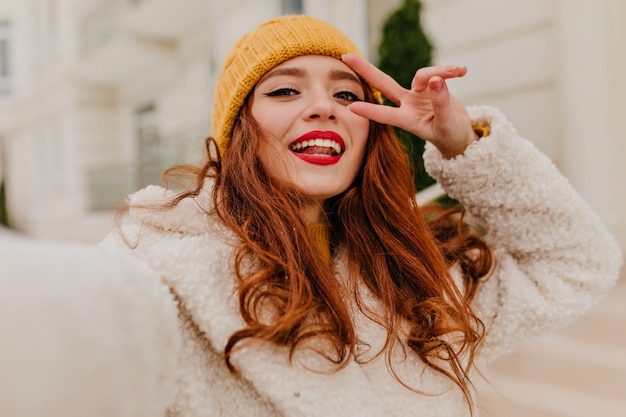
[{"x": 321, "y": 107}]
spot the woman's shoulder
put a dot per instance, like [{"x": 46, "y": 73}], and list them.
[
  {"x": 156, "y": 220},
  {"x": 156, "y": 207}
]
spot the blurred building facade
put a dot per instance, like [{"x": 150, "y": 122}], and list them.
[{"x": 97, "y": 97}]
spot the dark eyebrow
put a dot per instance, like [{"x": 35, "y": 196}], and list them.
[
  {"x": 344, "y": 75},
  {"x": 288, "y": 71}
]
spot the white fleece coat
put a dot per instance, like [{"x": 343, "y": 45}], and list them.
[
  {"x": 554, "y": 260},
  {"x": 83, "y": 333}
]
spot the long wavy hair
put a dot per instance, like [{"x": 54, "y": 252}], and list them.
[{"x": 403, "y": 254}]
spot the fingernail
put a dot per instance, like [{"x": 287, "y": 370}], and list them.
[
  {"x": 451, "y": 68},
  {"x": 436, "y": 84}
]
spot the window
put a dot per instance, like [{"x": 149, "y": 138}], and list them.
[
  {"x": 109, "y": 186},
  {"x": 147, "y": 136},
  {"x": 156, "y": 153},
  {"x": 291, "y": 7},
  {"x": 5, "y": 58}
]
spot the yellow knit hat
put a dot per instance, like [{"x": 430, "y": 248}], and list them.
[{"x": 257, "y": 52}]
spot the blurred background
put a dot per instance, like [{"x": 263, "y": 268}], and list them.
[{"x": 97, "y": 97}]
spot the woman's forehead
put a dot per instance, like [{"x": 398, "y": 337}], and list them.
[{"x": 304, "y": 65}]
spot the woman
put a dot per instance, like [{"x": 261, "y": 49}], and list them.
[{"x": 306, "y": 278}]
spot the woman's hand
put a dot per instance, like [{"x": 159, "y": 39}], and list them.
[{"x": 427, "y": 110}]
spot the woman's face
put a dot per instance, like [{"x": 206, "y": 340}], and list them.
[{"x": 311, "y": 139}]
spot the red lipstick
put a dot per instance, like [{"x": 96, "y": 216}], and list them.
[{"x": 326, "y": 156}]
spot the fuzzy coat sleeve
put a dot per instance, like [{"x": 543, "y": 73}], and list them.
[
  {"x": 554, "y": 257},
  {"x": 84, "y": 332}
]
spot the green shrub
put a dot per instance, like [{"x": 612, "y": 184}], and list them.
[
  {"x": 404, "y": 49},
  {"x": 4, "y": 215}
]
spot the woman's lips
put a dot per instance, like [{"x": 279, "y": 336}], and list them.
[{"x": 319, "y": 147}]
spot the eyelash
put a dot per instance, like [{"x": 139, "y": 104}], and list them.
[
  {"x": 352, "y": 96},
  {"x": 287, "y": 91},
  {"x": 280, "y": 92}
]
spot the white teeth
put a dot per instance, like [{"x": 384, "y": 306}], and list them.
[{"x": 327, "y": 143}]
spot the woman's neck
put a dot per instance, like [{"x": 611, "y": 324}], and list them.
[{"x": 314, "y": 213}]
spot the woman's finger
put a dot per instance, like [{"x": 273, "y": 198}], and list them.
[
  {"x": 439, "y": 98},
  {"x": 379, "y": 113},
  {"x": 377, "y": 78},
  {"x": 423, "y": 75}
]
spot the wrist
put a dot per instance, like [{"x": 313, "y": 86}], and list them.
[
  {"x": 459, "y": 147},
  {"x": 476, "y": 132}
]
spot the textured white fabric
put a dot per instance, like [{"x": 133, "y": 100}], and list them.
[
  {"x": 555, "y": 257},
  {"x": 554, "y": 260},
  {"x": 83, "y": 333}
]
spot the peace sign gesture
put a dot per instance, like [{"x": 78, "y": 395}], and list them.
[{"x": 427, "y": 110}]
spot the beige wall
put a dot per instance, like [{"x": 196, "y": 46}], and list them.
[
  {"x": 555, "y": 67},
  {"x": 593, "y": 146}
]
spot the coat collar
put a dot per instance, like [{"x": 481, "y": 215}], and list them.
[{"x": 198, "y": 267}]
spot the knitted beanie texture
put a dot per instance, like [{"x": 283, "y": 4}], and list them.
[{"x": 257, "y": 52}]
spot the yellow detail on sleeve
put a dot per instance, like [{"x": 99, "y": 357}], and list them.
[{"x": 481, "y": 131}]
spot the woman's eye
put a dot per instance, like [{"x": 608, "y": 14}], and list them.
[
  {"x": 282, "y": 92},
  {"x": 348, "y": 96}
]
